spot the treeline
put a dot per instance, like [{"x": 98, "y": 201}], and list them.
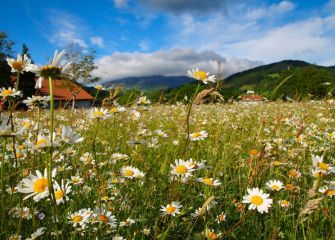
[{"x": 297, "y": 83}]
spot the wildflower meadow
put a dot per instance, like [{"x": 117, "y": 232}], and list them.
[{"x": 173, "y": 171}]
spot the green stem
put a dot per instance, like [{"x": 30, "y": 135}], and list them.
[
  {"x": 17, "y": 81},
  {"x": 95, "y": 98},
  {"x": 3, "y": 217},
  {"x": 49, "y": 164},
  {"x": 189, "y": 108}
]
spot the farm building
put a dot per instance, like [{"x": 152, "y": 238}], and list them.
[
  {"x": 65, "y": 92},
  {"x": 251, "y": 98}
]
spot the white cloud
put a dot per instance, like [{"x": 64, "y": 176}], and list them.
[
  {"x": 98, "y": 41},
  {"x": 65, "y": 29},
  {"x": 269, "y": 11},
  {"x": 259, "y": 36},
  {"x": 311, "y": 40},
  {"x": 172, "y": 62}
]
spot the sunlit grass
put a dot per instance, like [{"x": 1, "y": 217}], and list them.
[{"x": 247, "y": 145}]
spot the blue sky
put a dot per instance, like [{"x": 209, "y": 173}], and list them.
[{"x": 149, "y": 37}]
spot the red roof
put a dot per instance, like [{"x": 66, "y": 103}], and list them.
[
  {"x": 62, "y": 90},
  {"x": 251, "y": 98}
]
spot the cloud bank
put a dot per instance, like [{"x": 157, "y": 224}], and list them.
[{"x": 172, "y": 62}]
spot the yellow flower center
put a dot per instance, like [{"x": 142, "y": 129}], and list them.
[
  {"x": 27, "y": 125},
  {"x": 323, "y": 166},
  {"x": 212, "y": 235},
  {"x": 18, "y": 66},
  {"x": 293, "y": 173},
  {"x": 196, "y": 135},
  {"x": 19, "y": 155},
  {"x": 200, "y": 75},
  {"x": 7, "y": 92},
  {"x": 98, "y": 114},
  {"x": 59, "y": 194},
  {"x": 170, "y": 209},
  {"x": 115, "y": 180},
  {"x": 276, "y": 163},
  {"x": 75, "y": 180},
  {"x": 221, "y": 217},
  {"x": 41, "y": 142},
  {"x": 254, "y": 152},
  {"x": 77, "y": 218},
  {"x": 330, "y": 192},
  {"x": 114, "y": 110},
  {"x": 40, "y": 185},
  {"x": 103, "y": 218},
  {"x": 275, "y": 187},
  {"x": 128, "y": 173},
  {"x": 181, "y": 169},
  {"x": 208, "y": 181},
  {"x": 284, "y": 203},
  {"x": 257, "y": 200},
  {"x": 105, "y": 198}
]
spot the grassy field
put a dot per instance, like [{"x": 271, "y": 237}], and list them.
[{"x": 136, "y": 174}]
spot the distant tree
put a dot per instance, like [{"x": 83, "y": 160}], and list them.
[
  {"x": 80, "y": 69},
  {"x": 25, "y": 50},
  {"x": 5, "y": 52},
  {"x": 27, "y": 82}
]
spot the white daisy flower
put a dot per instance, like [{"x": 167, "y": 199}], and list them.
[
  {"x": 211, "y": 235},
  {"x": 117, "y": 109},
  {"x": 274, "y": 185},
  {"x": 197, "y": 136},
  {"x": 87, "y": 158},
  {"x": 34, "y": 235},
  {"x": 258, "y": 200},
  {"x": 321, "y": 166},
  {"x": 9, "y": 92},
  {"x": 198, "y": 212},
  {"x": 77, "y": 180},
  {"x": 171, "y": 209},
  {"x": 135, "y": 115},
  {"x": 328, "y": 191},
  {"x": 104, "y": 216},
  {"x": 61, "y": 192},
  {"x": 182, "y": 168},
  {"x": 128, "y": 222},
  {"x": 221, "y": 217},
  {"x": 197, "y": 165},
  {"x": 131, "y": 172},
  {"x": 19, "y": 64},
  {"x": 36, "y": 185},
  {"x": 80, "y": 218},
  {"x": 201, "y": 75},
  {"x": 209, "y": 181},
  {"x": 119, "y": 156},
  {"x": 100, "y": 113},
  {"x": 143, "y": 100},
  {"x": 37, "y": 101},
  {"x": 284, "y": 203},
  {"x": 70, "y": 136},
  {"x": 99, "y": 87},
  {"x": 52, "y": 69}
]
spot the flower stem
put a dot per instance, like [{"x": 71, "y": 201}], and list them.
[
  {"x": 189, "y": 108},
  {"x": 49, "y": 164},
  {"x": 95, "y": 98},
  {"x": 3, "y": 217},
  {"x": 17, "y": 81}
]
